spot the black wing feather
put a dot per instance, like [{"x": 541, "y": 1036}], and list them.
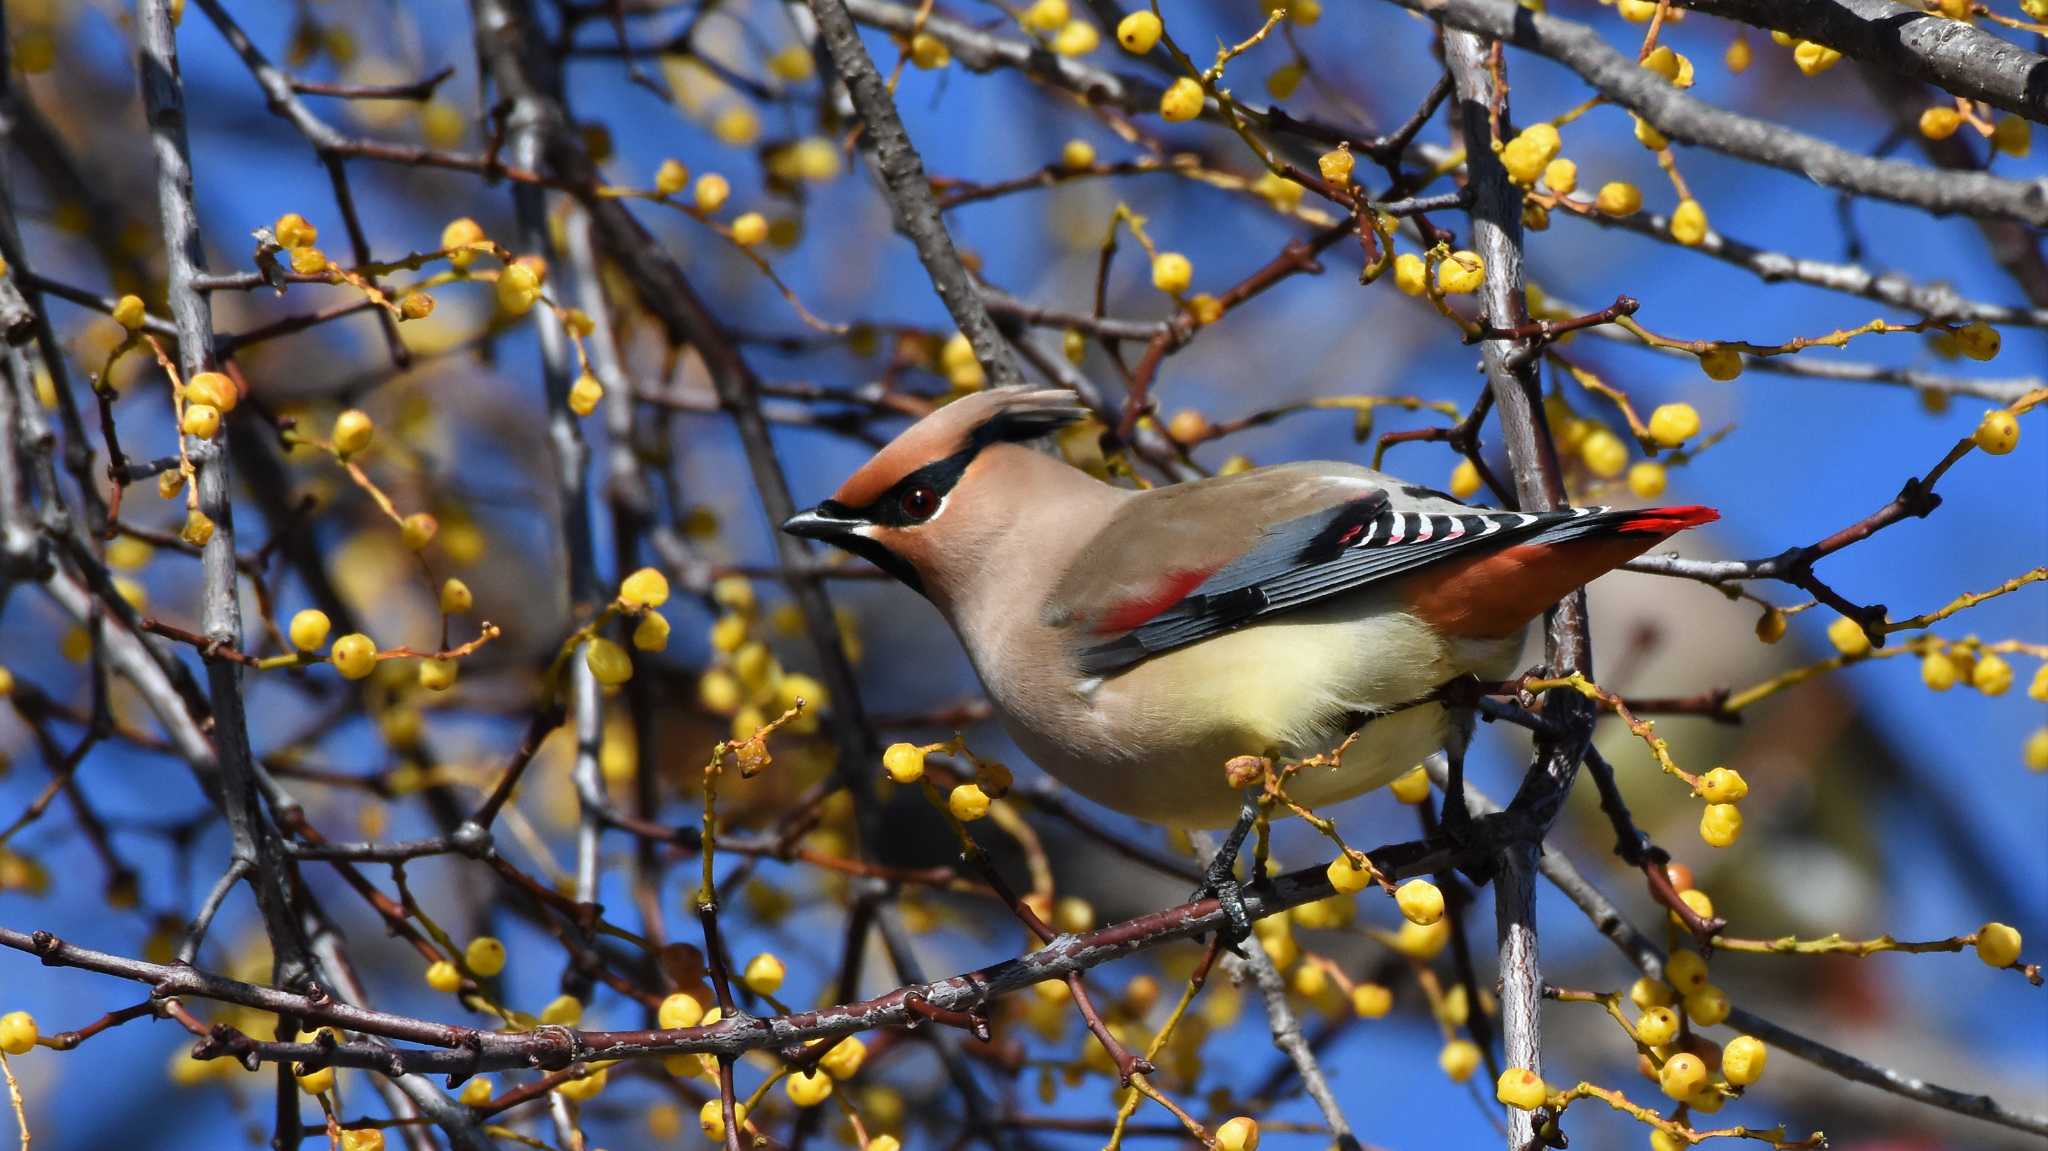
[{"x": 1331, "y": 552}]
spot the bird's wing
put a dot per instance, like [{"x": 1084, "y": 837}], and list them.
[{"x": 1223, "y": 555}]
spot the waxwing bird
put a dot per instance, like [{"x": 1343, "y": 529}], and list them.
[{"x": 1133, "y": 641}]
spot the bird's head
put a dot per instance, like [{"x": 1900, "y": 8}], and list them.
[{"x": 930, "y": 493}]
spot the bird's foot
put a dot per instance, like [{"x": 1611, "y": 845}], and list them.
[{"x": 1219, "y": 879}]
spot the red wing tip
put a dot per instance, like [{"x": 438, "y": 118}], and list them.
[{"x": 1669, "y": 520}]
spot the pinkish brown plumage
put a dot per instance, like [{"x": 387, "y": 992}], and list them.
[{"x": 1133, "y": 641}]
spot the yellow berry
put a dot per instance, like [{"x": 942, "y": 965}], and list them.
[
  {"x": 711, "y": 192},
  {"x": 1461, "y": 272},
  {"x": 928, "y": 52},
  {"x": 1991, "y": 675},
  {"x": 1770, "y": 626},
  {"x": 1171, "y": 273},
  {"x": 1813, "y": 59},
  {"x": 1240, "y": 1133},
  {"x": 1411, "y": 787},
  {"x": 2013, "y": 136},
  {"x": 1521, "y": 1089},
  {"x": 644, "y": 589},
  {"x": 17, "y": 1032},
  {"x": 518, "y": 289},
  {"x": 317, "y": 1082},
  {"x": 1371, "y": 1000},
  {"x": 352, "y": 432},
  {"x": 904, "y": 762},
  {"x": 1689, "y": 223},
  {"x": 1698, "y": 902},
  {"x": 711, "y": 1117},
  {"x": 651, "y": 633},
  {"x": 308, "y": 261},
  {"x": 1707, "y": 1007},
  {"x": 1523, "y": 159},
  {"x": 1182, "y": 100},
  {"x": 1977, "y": 340},
  {"x": 1636, "y": 11},
  {"x": 1663, "y": 61},
  {"x": 1998, "y": 945},
  {"x": 585, "y": 394},
  {"x": 750, "y": 229},
  {"x": 455, "y": 597},
  {"x": 792, "y": 64},
  {"x": 1138, "y": 32},
  {"x": 129, "y": 312},
  {"x": 1657, "y": 1026},
  {"x": 1742, "y": 1061},
  {"x": 737, "y": 126},
  {"x": 1459, "y": 1059},
  {"x": 1938, "y": 671},
  {"x": 843, "y": 1061},
  {"x": 1723, "y": 785},
  {"x": 608, "y": 662},
  {"x": 1420, "y": 901},
  {"x": 562, "y": 1011},
  {"x": 443, "y": 976},
  {"x": 2035, "y": 755},
  {"x": 1046, "y": 15},
  {"x": 354, "y": 655},
  {"x": 1561, "y": 176},
  {"x": 309, "y": 629},
  {"x": 1603, "y": 453},
  {"x": 678, "y": 1011},
  {"x": 475, "y": 1093},
  {"x": 763, "y": 974},
  {"x": 1997, "y": 433},
  {"x": 1282, "y": 82},
  {"x": 1673, "y": 424},
  {"x": 485, "y": 955},
  {"x": 213, "y": 390},
  {"x": 1682, "y": 1075},
  {"x": 1721, "y": 363},
  {"x": 457, "y": 239},
  {"x": 586, "y": 1088},
  {"x": 1411, "y": 274},
  {"x": 1686, "y": 971},
  {"x": 1347, "y": 877},
  {"x": 967, "y": 802},
  {"x": 1077, "y": 38},
  {"x": 1939, "y": 123},
  {"x": 437, "y": 674},
  {"x": 1738, "y": 56},
  {"x": 1848, "y": 636},
  {"x": 292, "y": 231},
  {"x": 1649, "y": 137},
  {"x": 1619, "y": 199},
  {"x": 198, "y": 529},
  {"x": 671, "y": 178},
  {"x": 1647, "y": 993},
  {"x": 1647, "y": 478},
  {"x": 1077, "y": 154},
  {"x": 1336, "y": 165},
  {"x": 1188, "y": 426},
  {"x": 418, "y": 530}
]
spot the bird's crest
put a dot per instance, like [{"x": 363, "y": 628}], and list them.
[{"x": 958, "y": 431}]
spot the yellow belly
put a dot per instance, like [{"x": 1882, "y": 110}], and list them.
[{"x": 1152, "y": 742}]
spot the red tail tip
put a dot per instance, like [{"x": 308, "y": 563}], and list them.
[{"x": 1666, "y": 521}]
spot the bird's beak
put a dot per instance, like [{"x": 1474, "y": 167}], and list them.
[{"x": 816, "y": 524}]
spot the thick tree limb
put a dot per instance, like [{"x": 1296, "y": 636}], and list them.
[
  {"x": 1688, "y": 119},
  {"x": 1954, "y": 55}
]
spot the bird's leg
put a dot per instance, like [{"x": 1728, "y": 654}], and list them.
[
  {"x": 1457, "y": 818},
  {"x": 1220, "y": 878}
]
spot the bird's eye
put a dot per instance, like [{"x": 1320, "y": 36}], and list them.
[{"x": 919, "y": 503}]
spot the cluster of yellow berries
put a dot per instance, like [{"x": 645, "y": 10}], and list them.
[
  {"x": 1459, "y": 273},
  {"x": 1069, "y": 36},
  {"x": 904, "y": 763},
  {"x": 747, "y": 682},
  {"x": 1721, "y": 822},
  {"x": 1966, "y": 662},
  {"x": 208, "y": 396},
  {"x": 1528, "y": 156}
]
